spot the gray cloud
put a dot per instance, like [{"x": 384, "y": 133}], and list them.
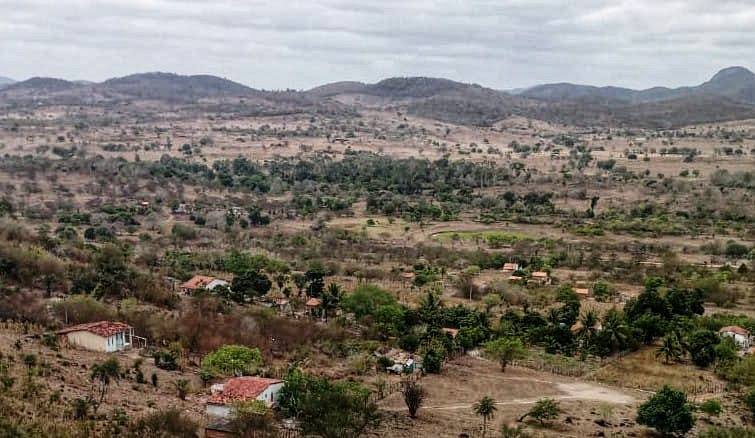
[{"x": 303, "y": 43}]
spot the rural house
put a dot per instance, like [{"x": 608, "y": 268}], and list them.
[
  {"x": 510, "y": 267},
  {"x": 241, "y": 389},
  {"x": 740, "y": 336},
  {"x": 104, "y": 336},
  {"x": 201, "y": 282},
  {"x": 541, "y": 277},
  {"x": 582, "y": 292}
]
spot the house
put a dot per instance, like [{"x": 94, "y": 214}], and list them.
[
  {"x": 740, "y": 336},
  {"x": 314, "y": 307},
  {"x": 510, "y": 267},
  {"x": 515, "y": 278},
  {"x": 104, "y": 336},
  {"x": 541, "y": 277},
  {"x": 241, "y": 389},
  {"x": 201, "y": 282},
  {"x": 582, "y": 292}
]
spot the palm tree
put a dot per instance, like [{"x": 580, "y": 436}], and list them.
[
  {"x": 485, "y": 408},
  {"x": 331, "y": 298},
  {"x": 588, "y": 327},
  {"x": 670, "y": 349},
  {"x": 615, "y": 329}
]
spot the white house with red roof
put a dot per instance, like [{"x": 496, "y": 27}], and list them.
[
  {"x": 201, "y": 282},
  {"x": 741, "y": 336},
  {"x": 241, "y": 389},
  {"x": 104, "y": 336}
]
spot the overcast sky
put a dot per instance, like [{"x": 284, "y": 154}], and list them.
[{"x": 300, "y": 44}]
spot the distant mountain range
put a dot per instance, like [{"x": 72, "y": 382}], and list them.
[
  {"x": 728, "y": 95},
  {"x": 735, "y": 83}
]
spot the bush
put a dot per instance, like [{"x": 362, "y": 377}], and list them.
[
  {"x": 366, "y": 299},
  {"x": 165, "y": 360},
  {"x": 232, "y": 360},
  {"x": 167, "y": 423},
  {"x": 409, "y": 342},
  {"x": 711, "y": 407},
  {"x": 432, "y": 362}
]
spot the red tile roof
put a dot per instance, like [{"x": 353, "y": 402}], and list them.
[
  {"x": 242, "y": 389},
  {"x": 313, "y": 302},
  {"x": 734, "y": 329},
  {"x": 101, "y": 328},
  {"x": 197, "y": 282}
]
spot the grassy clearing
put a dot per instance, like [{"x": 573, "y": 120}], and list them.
[{"x": 642, "y": 370}]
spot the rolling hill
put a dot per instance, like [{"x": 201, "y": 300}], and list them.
[{"x": 728, "y": 95}]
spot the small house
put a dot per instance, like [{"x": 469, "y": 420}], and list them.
[
  {"x": 103, "y": 336},
  {"x": 741, "y": 336},
  {"x": 541, "y": 277},
  {"x": 241, "y": 389},
  {"x": 510, "y": 267},
  {"x": 314, "y": 307},
  {"x": 515, "y": 279},
  {"x": 201, "y": 282},
  {"x": 582, "y": 292}
]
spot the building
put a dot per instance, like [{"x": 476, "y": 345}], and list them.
[
  {"x": 241, "y": 389},
  {"x": 582, "y": 292},
  {"x": 740, "y": 336},
  {"x": 201, "y": 282},
  {"x": 314, "y": 307},
  {"x": 510, "y": 267},
  {"x": 104, "y": 336},
  {"x": 541, "y": 277}
]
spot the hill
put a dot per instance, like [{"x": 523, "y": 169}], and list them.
[
  {"x": 173, "y": 87},
  {"x": 734, "y": 83}
]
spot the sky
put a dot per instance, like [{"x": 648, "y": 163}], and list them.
[{"x": 281, "y": 44}]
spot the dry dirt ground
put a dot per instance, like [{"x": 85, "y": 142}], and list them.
[{"x": 447, "y": 409}]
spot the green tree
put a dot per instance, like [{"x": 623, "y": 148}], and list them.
[
  {"x": 249, "y": 284},
  {"x": 702, "y": 347},
  {"x": 232, "y": 360},
  {"x": 252, "y": 418},
  {"x": 667, "y": 412},
  {"x": 504, "y": 350},
  {"x": 486, "y": 409},
  {"x": 327, "y": 409},
  {"x": 544, "y": 410}
]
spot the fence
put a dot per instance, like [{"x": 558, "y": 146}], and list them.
[{"x": 575, "y": 370}]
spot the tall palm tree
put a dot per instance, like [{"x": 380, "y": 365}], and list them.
[
  {"x": 485, "y": 408},
  {"x": 588, "y": 326},
  {"x": 615, "y": 329}
]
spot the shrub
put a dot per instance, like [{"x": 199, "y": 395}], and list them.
[
  {"x": 165, "y": 360},
  {"x": 544, "y": 410},
  {"x": 232, "y": 360},
  {"x": 409, "y": 342},
  {"x": 413, "y": 394},
  {"x": 711, "y": 407},
  {"x": 167, "y": 423}
]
